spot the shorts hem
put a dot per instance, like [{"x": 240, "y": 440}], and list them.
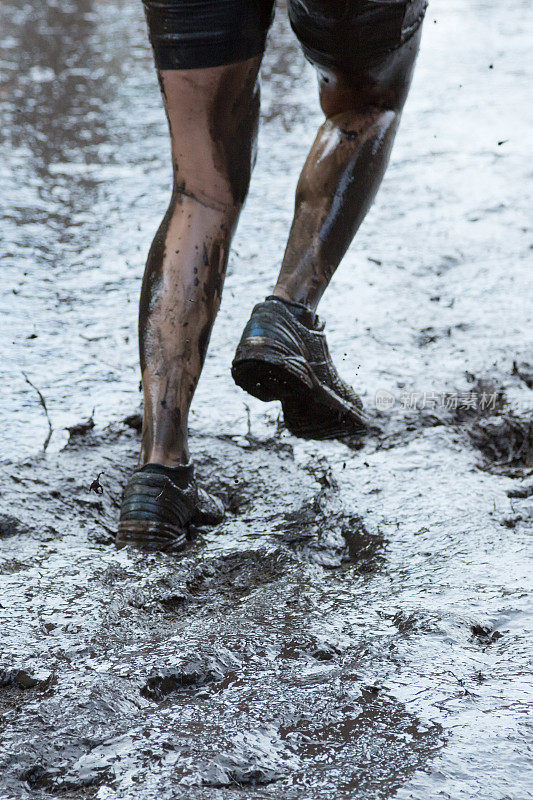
[
  {"x": 319, "y": 58},
  {"x": 176, "y": 55}
]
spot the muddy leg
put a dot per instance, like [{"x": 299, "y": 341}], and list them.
[
  {"x": 343, "y": 170},
  {"x": 213, "y": 117}
]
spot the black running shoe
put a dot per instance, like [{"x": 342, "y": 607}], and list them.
[
  {"x": 159, "y": 506},
  {"x": 283, "y": 355}
]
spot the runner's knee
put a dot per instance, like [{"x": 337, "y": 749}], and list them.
[
  {"x": 208, "y": 53},
  {"x": 213, "y": 116},
  {"x": 364, "y": 50},
  {"x": 361, "y": 87}
]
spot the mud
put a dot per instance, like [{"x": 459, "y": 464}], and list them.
[
  {"x": 213, "y": 116},
  {"x": 358, "y": 626},
  {"x": 349, "y": 156}
]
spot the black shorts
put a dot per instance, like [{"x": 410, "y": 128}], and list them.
[{"x": 188, "y": 34}]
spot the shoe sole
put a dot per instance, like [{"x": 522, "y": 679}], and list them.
[
  {"x": 310, "y": 409},
  {"x": 156, "y": 536}
]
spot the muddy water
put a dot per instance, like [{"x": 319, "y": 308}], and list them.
[{"x": 358, "y": 626}]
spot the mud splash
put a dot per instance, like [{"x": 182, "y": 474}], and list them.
[{"x": 358, "y": 626}]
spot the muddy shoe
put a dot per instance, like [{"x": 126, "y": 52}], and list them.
[
  {"x": 283, "y": 355},
  {"x": 159, "y": 506}
]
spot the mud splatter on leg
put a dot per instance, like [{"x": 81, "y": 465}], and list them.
[
  {"x": 182, "y": 287},
  {"x": 344, "y": 169}
]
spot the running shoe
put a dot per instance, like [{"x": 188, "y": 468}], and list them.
[
  {"x": 283, "y": 355},
  {"x": 159, "y": 506}
]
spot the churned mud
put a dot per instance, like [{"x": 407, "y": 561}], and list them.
[{"x": 358, "y": 625}]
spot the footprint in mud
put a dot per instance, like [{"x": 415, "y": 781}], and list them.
[
  {"x": 190, "y": 674},
  {"x": 236, "y": 574},
  {"x": 324, "y": 533}
]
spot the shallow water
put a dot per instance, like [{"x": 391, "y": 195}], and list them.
[{"x": 358, "y": 626}]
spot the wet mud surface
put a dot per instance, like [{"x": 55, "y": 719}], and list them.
[{"x": 358, "y": 626}]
